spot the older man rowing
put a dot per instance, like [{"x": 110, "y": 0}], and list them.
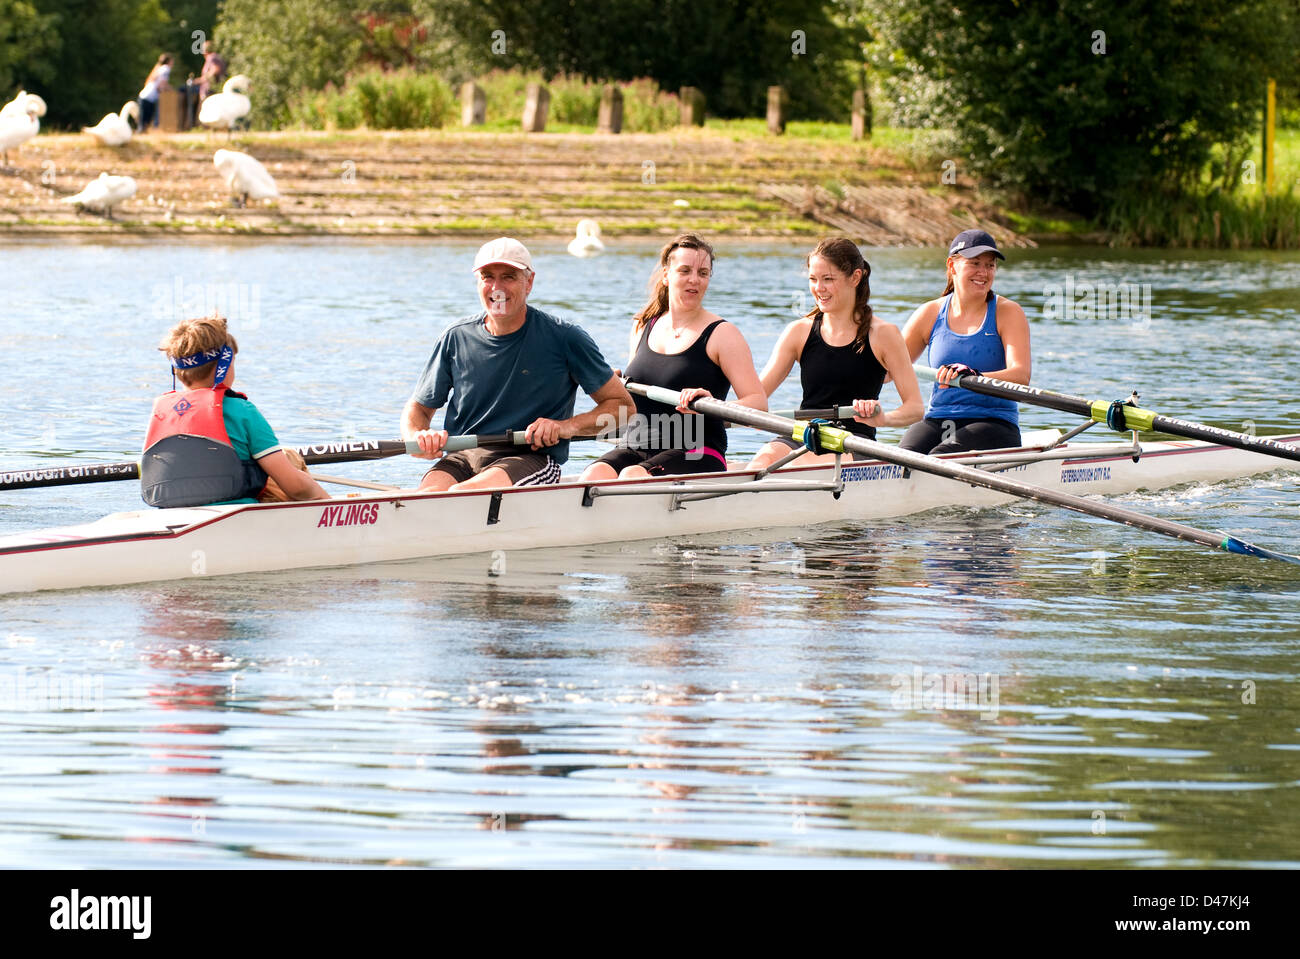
[{"x": 511, "y": 367}]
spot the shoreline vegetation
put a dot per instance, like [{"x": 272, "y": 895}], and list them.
[
  {"x": 384, "y": 154},
  {"x": 1054, "y": 123}
]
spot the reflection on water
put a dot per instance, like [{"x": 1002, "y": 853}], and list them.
[{"x": 1016, "y": 687}]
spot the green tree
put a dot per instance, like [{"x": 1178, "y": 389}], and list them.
[
  {"x": 107, "y": 50},
  {"x": 287, "y": 46},
  {"x": 191, "y": 22},
  {"x": 1085, "y": 103},
  {"x": 105, "y": 53},
  {"x": 733, "y": 50},
  {"x": 28, "y": 38}
]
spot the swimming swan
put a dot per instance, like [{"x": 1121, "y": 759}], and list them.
[{"x": 587, "y": 242}]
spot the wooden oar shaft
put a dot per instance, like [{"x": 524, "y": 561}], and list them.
[
  {"x": 922, "y": 463},
  {"x": 1135, "y": 417}
]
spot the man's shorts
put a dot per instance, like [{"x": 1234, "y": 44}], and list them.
[{"x": 524, "y": 467}]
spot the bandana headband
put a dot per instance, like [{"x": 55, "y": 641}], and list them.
[{"x": 223, "y": 355}]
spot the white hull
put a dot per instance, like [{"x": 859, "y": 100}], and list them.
[{"x": 151, "y": 545}]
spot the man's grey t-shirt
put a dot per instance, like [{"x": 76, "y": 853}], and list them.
[{"x": 499, "y": 383}]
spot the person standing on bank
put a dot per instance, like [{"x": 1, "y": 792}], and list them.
[
  {"x": 677, "y": 344},
  {"x": 970, "y": 329},
  {"x": 844, "y": 351},
  {"x": 214, "y": 71},
  {"x": 511, "y": 367},
  {"x": 158, "y": 78}
]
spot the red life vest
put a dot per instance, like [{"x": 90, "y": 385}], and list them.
[{"x": 188, "y": 458}]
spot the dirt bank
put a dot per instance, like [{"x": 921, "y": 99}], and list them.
[{"x": 454, "y": 183}]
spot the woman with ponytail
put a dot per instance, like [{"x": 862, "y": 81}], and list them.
[
  {"x": 844, "y": 352},
  {"x": 677, "y": 344},
  {"x": 969, "y": 329}
]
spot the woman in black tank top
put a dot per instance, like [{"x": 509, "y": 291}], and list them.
[
  {"x": 679, "y": 345},
  {"x": 844, "y": 353}
]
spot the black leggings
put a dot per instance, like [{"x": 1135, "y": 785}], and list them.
[
  {"x": 667, "y": 461},
  {"x": 955, "y": 436}
]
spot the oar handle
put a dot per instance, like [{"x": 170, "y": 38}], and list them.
[
  {"x": 830, "y": 413},
  {"x": 671, "y": 397}
]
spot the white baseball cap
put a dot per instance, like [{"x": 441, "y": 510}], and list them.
[{"x": 503, "y": 250}]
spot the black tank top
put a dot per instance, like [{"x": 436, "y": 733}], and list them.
[
  {"x": 838, "y": 375},
  {"x": 662, "y": 427}
]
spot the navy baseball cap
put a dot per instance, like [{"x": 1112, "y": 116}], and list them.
[{"x": 971, "y": 243}]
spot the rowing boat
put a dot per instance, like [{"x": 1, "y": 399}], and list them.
[{"x": 197, "y": 542}]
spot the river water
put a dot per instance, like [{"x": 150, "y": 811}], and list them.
[{"x": 744, "y": 701}]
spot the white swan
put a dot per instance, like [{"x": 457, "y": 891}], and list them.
[
  {"x": 222, "y": 110},
  {"x": 104, "y": 193},
  {"x": 115, "y": 129},
  {"x": 17, "y": 128},
  {"x": 245, "y": 176},
  {"x": 587, "y": 242},
  {"x": 20, "y": 104}
]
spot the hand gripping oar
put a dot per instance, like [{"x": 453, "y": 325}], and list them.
[
  {"x": 345, "y": 451},
  {"x": 1119, "y": 416},
  {"x": 832, "y": 439}
]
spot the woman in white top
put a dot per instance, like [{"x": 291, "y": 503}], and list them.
[{"x": 159, "y": 77}]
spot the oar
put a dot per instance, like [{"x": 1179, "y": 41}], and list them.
[
  {"x": 830, "y": 413},
  {"x": 837, "y": 440},
  {"x": 1118, "y": 416},
  {"x": 340, "y": 452},
  {"x": 345, "y": 451}
]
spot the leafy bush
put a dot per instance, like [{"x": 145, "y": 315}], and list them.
[
  {"x": 647, "y": 109},
  {"x": 376, "y": 99},
  {"x": 576, "y": 101}
]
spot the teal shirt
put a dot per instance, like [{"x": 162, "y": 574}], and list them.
[
  {"x": 499, "y": 383},
  {"x": 250, "y": 434}
]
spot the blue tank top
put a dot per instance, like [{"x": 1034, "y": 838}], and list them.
[{"x": 981, "y": 350}]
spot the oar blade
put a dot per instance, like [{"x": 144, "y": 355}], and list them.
[{"x": 1231, "y": 544}]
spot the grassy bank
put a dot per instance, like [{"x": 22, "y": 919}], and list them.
[
  {"x": 457, "y": 182},
  {"x": 716, "y": 179}
]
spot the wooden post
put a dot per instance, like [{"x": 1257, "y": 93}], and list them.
[
  {"x": 776, "y": 101},
  {"x": 473, "y": 105},
  {"x": 1270, "y": 116},
  {"x": 172, "y": 116},
  {"x": 537, "y": 100},
  {"x": 692, "y": 107},
  {"x": 861, "y": 129},
  {"x": 611, "y": 110}
]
